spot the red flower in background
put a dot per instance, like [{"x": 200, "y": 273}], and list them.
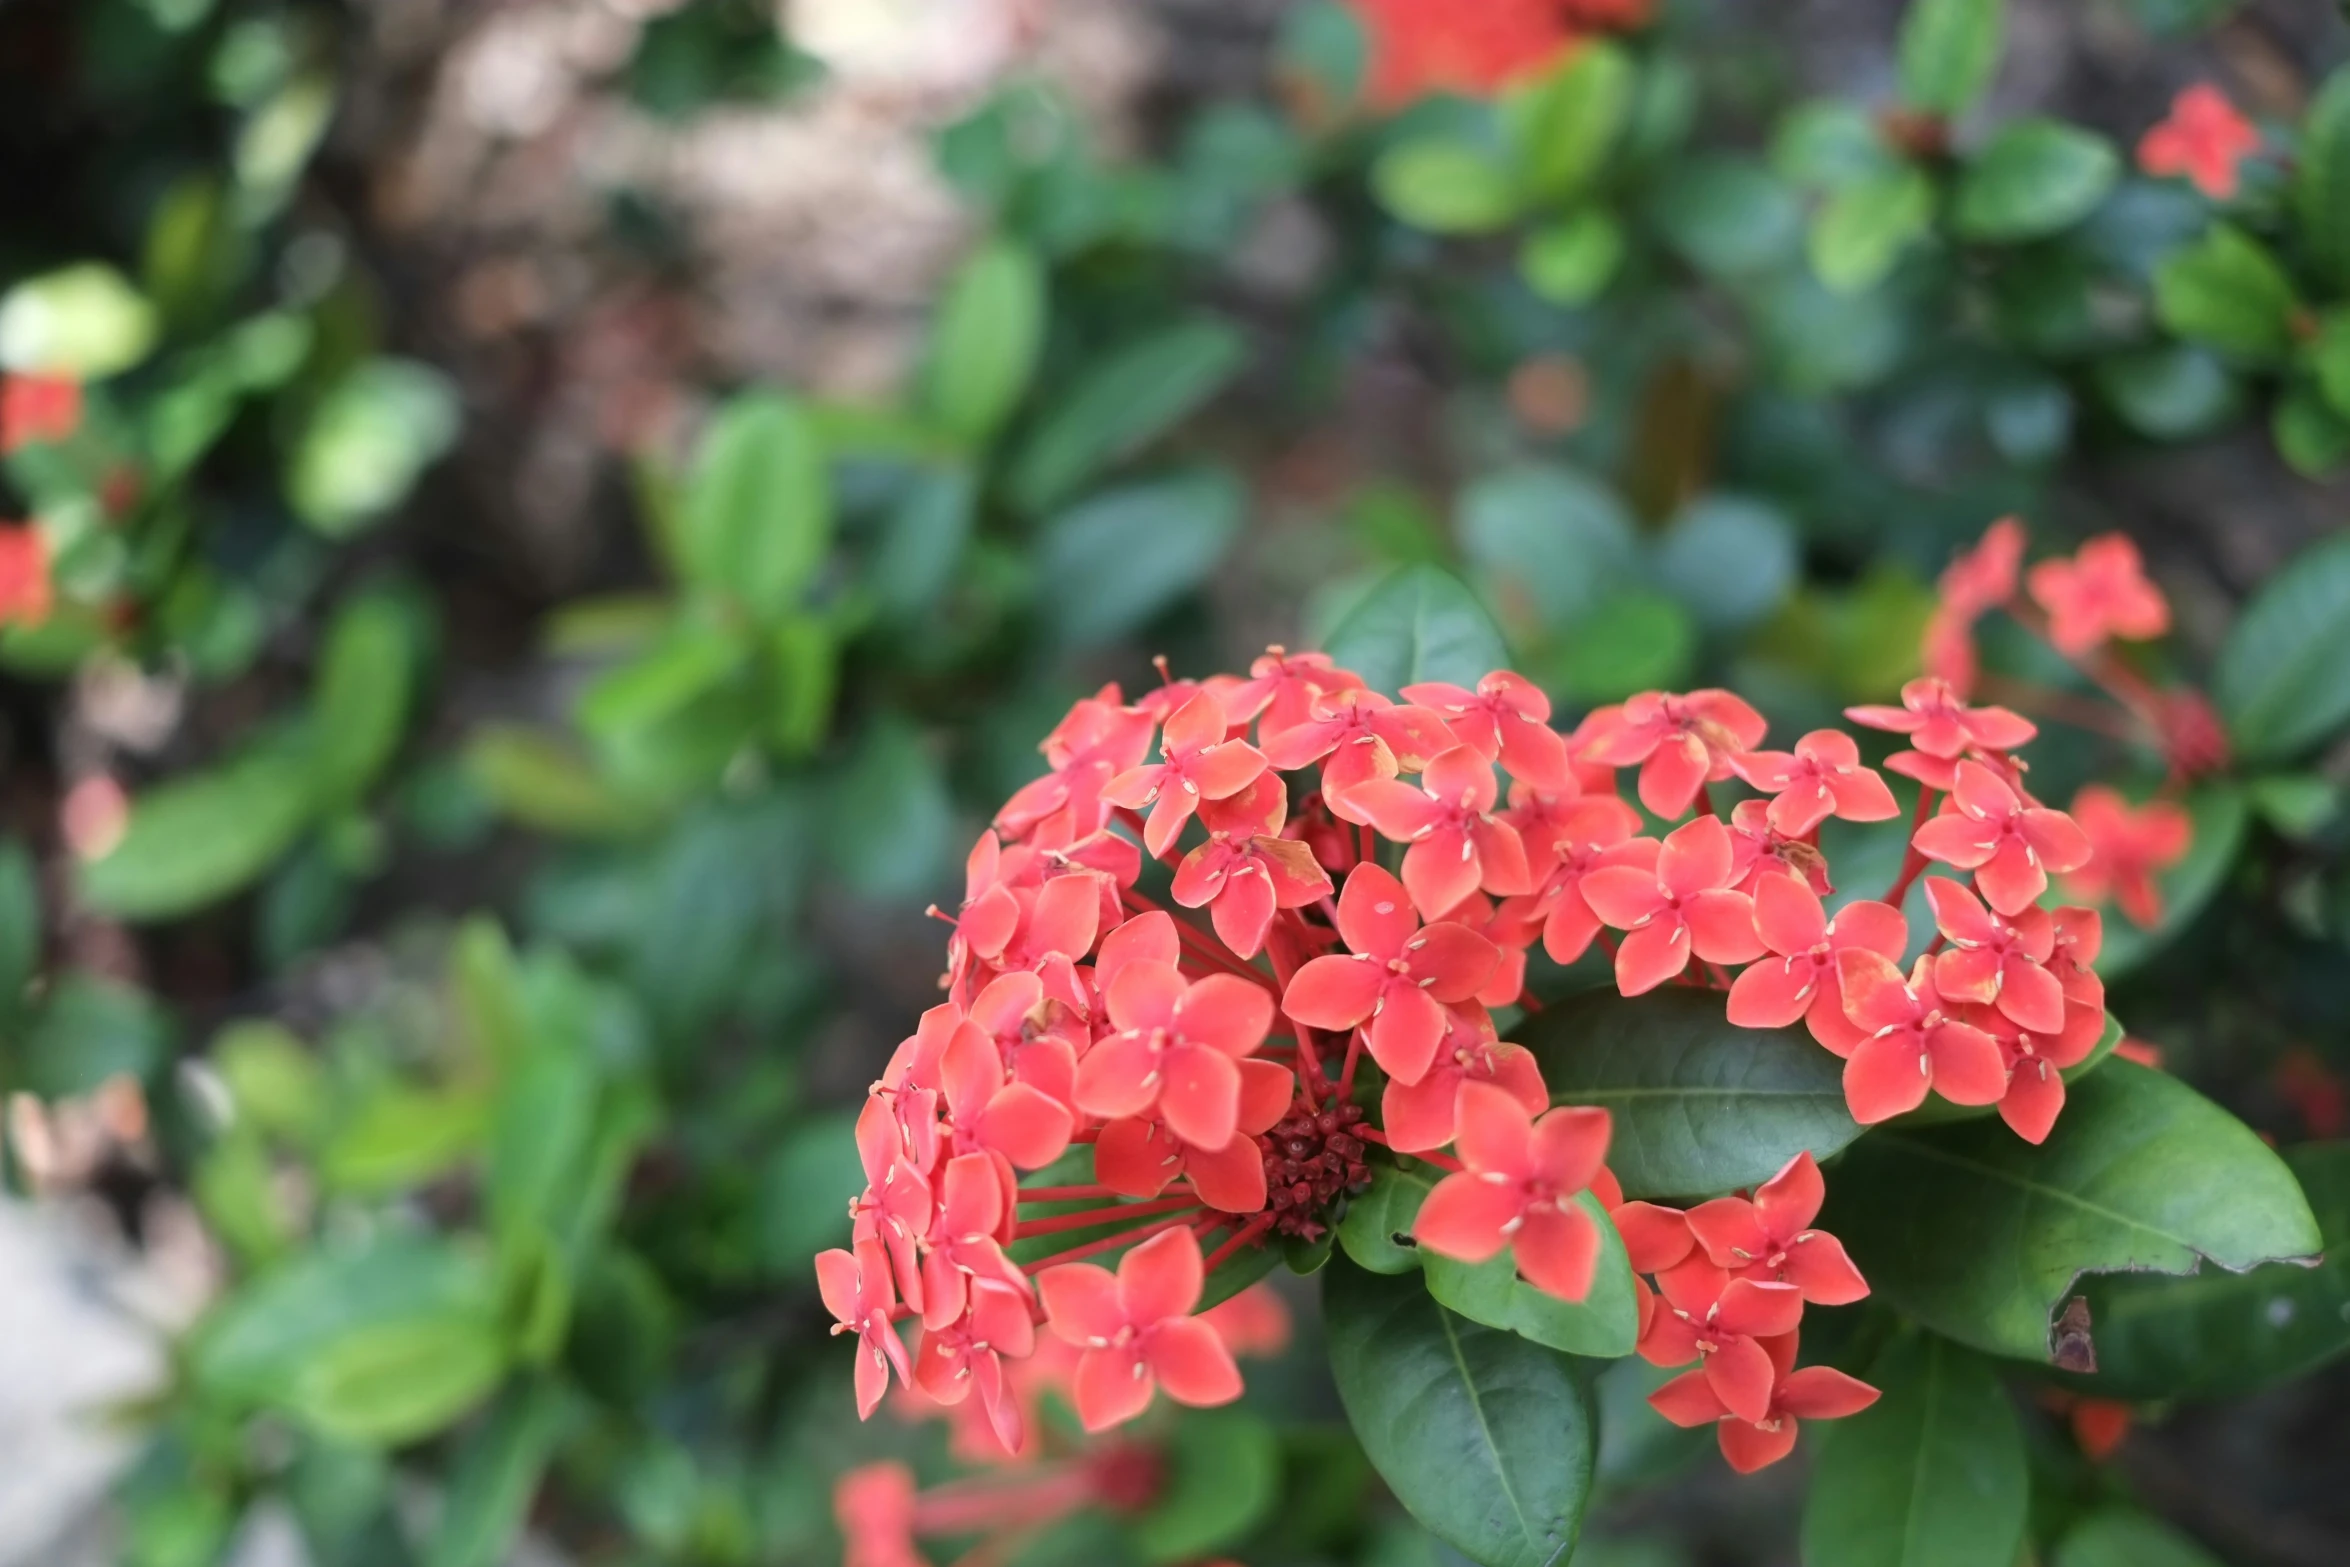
[
  {"x": 2204, "y": 139},
  {"x": 36, "y": 409},
  {"x": 2102, "y": 592},
  {"x": 1474, "y": 47},
  {"x": 1518, "y": 1189},
  {"x": 24, "y": 576},
  {"x": 874, "y": 1507},
  {"x": 1137, "y": 1331},
  {"x": 2128, "y": 847}
]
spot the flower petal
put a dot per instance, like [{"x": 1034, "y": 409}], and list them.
[
  {"x": 1190, "y": 1361},
  {"x": 1885, "y": 1077},
  {"x": 1334, "y": 992},
  {"x": 1463, "y": 1217},
  {"x": 1160, "y": 1278}
]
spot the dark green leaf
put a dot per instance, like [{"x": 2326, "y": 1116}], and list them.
[
  {"x": 804, "y": 1192},
  {"x": 1700, "y": 1107},
  {"x": 90, "y": 1029},
  {"x": 2321, "y": 185},
  {"x": 892, "y": 817},
  {"x": 1605, "y": 1325},
  {"x": 2140, "y": 1174},
  {"x": 1858, "y": 235},
  {"x": 497, "y": 1475},
  {"x": 2283, "y": 677},
  {"x": 1635, "y": 640},
  {"x": 1725, "y": 215},
  {"x": 984, "y": 346},
  {"x": 1120, "y": 405},
  {"x": 197, "y": 839},
  {"x": 20, "y": 924},
  {"x": 2171, "y": 392},
  {"x": 1730, "y": 561},
  {"x": 2329, "y": 355},
  {"x": 1826, "y": 144},
  {"x": 1420, "y": 623},
  {"x": 1931, "y": 1475},
  {"x": 2218, "y": 811},
  {"x": 2227, "y": 292},
  {"x": 1223, "y": 1478},
  {"x": 2032, "y": 179},
  {"x": 1488, "y": 1439},
  {"x": 2118, "y": 1537},
  {"x": 1562, "y": 124},
  {"x": 2215, "y": 1334},
  {"x": 1548, "y": 544},
  {"x": 922, "y": 542},
  {"x": 758, "y": 515},
  {"x": 1949, "y": 50},
  {"x": 1445, "y": 186},
  {"x": 1376, "y": 1231},
  {"x": 2310, "y": 436},
  {"x": 1112, "y": 562}
]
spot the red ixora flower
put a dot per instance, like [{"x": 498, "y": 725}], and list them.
[
  {"x": 1914, "y": 1043},
  {"x": 1424, "y": 46},
  {"x": 1399, "y": 977},
  {"x": 1457, "y": 844},
  {"x": 1681, "y": 743},
  {"x": 1996, "y": 961},
  {"x": 1247, "y": 872},
  {"x": 874, "y": 1506},
  {"x": 1424, "y": 1115},
  {"x": 36, "y": 409},
  {"x": 1506, "y": 719},
  {"x": 855, "y": 1287},
  {"x": 1709, "y": 1316},
  {"x": 1679, "y": 905},
  {"x": 1813, "y": 1393},
  {"x": 2128, "y": 846},
  {"x": 1137, "y": 1331},
  {"x": 1517, "y": 1190},
  {"x": 24, "y": 576},
  {"x": 1769, "y": 1237},
  {"x": 1199, "y": 764},
  {"x": 1820, "y": 778},
  {"x": 1177, "y": 1050},
  {"x": 2204, "y": 139},
  {"x": 2009, "y": 843},
  {"x": 966, "y": 1356},
  {"x": 1941, "y": 729},
  {"x": 2102, "y": 592},
  {"x": 1804, "y": 982}
]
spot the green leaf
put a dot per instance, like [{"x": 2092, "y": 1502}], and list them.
[
  {"x": 922, "y": 542},
  {"x": 2119, "y": 1537},
  {"x": 2140, "y": 1174},
  {"x": 2329, "y": 356},
  {"x": 1949, "y": 50},
  {"x": 84, "y": 321},
  {"x": 1729, "y": 560},
  {"x": 687, "y": 663},
  {"x": 197, "y": 839},
  {"x": 359, "y": 704},
  {"x": 1420, "y": 623},
  {"x": 757, "y": 520},
  {"x": 273, "y": 1080},
  {"x": 1604, "y": 1326},
  {"x": 1858, "y": 235},
  {"x": 2215, "y": 1334},
  {"x": 1569, "y": 262},
  {"x": 892, "y": 817},
  {"x": 89, "y": 1029},
  {"x": 1223, "y": 1478},
  {"x": 1636, "y": 640},
  {"x": 1112, "y": 562},
  {"x": 402, "y": 1137},
  {"x": 1120, "y": 405},
  {"x": 1562, "y": 124},
  {"x": 398, "y": 1381},
  {"x": 985, "y": 342},
  {"x": 1486, "y": 1438},
  {"x": 2310, "y": 436},
  {"x": 1700, "y": 1107},
  {"x": 1548, "y": 545},
  {"x": 497, "y": 1475},
  {"x": 368, "y": 441},
  {"x": 2227, "y": 292},
  {"x": 2321, "y": 184},
  {"x": 2282, "y": 681},
  {"x": 2218, "y": 810},
  {"x": 1931, "y": 1475},
  {"x": 541, "y": 781},
  {"x": 2170, "y": 391},
  {"x": 1726, "y": 216},
  {"x": 2032, "y": 179},
  {"x": 20, "y": 924},
  {"x": 1376, "y": 1230},
  {"x": 804, "y": 1192},
  {"x": 1827, "y": 144},
  {"x": 1445, "y": 185}
]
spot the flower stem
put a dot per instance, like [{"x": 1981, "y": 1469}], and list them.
[
  {"x": 1106, "y": 1243},
  {"x": 1065, "y": 1193},
  {"x": 1912, "y": 863},
  {"x": 1090, "y": 1217},
  {"x": 1246, "y": 1233}
]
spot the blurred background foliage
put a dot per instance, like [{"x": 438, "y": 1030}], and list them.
[{"x": 536, "y": 615}]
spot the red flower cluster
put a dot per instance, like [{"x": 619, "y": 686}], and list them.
[
  {"x": 1355, "y": 892},
  {"x": 1477, "y": 47}
]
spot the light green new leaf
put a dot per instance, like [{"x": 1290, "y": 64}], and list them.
[
  {"x": 197, "y": 839},
  {"x": 2321, "y": 183},
  {"x": 985, "y": 342},
  {"x": 1949, "y": 50},
  {"x": 1562, "y": 124},
  {"x": 1446, "y": 186},
  {"x": 757, "y": 519},
  {"x": 1862, "y": 230},
  {"x": 2227, "y": 292}
]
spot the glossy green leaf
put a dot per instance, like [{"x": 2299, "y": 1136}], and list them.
[
  {"x": 497, "y": 1475},
  {"x": 1931, "y": 1475},
  {"x": 1949, "y": 51},
  {"x": 397, "y": 1381},
  {"x": 1605, "y": 1325},
  {"x": 1111, "y": 562},
  {"x": 1700, "y": 1107},
  {"x": 2032, "y": 179},
  {"x": 20, "y": 923},
  {"x": 1563, "y": 123},
  {"x": 1120, "y": 405},
  {"x": 360, "y": 702},
  {"x": 2229, "y": 293},
  {"x": 1862, "y": 230},
  {"x": 2219, "y": 812},
  {"x": 2321, "y": 181},
  {"x": 1223, "y": 1478},
  {"x": 1377, "y": 1228},
  {"x": 2312, "y": 438},
  {"x": 757, "y": 519},
  {"x": 2216, "y": 1334},
  {"x": 2141, "y": 1174},
  {"x": 1420, "y": 623},
  {"x": 1827, "y": 144},
  {"x": 1548, "y": 545},
  {"x": 197, "y": 839},
  {"x": 2283, "y": 677},
  {"x": 1488, "y": 1439},
  {"x": 2119, "y": 1537},
  {"x": 985, "y": 342},
  {"x": 1445, "y": 186}
]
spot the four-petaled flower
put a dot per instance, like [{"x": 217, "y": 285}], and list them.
[
  {"x": 965, "y": 1356},
  {"x": 1941, "y": 729},
  {"x": 2128, "y": 846},
  {"x": 1177, "y": 1049},
  {"x": 1996, "y": 961},
  {"x": 1813, "y": 1393},
  {"x": 1582, "y": 842},
  {"x": 1707, "y": 1315},
  {"x": 1423, "y": 1115},
  {"x": 1517, "y": 1190},
  {"x": 1137, "y": 1331},
  {"x": 1506, "y": 719},
  {"x": 2204, "y": 139},
  {"x": 2101, "y": 592},
  {"x": 1803, "y": 980},
  {"x": 1820, "y": 778},
  {"x": 1020, "y": 1121},
  {"x": 1358, "y": 735},
  {"x": 1457, "y": 845},
  {"x": 966, "y": 1254},
  {"x": 1769, "y": 1237},
  {"x": 1246, "y": 871},
  {"x": 1914, "y": 1043},
  {"x": 855, "y": 1289},
  {"x": 1681, "y": 742},
  {"x": 1400, "y": 976},
  {"x": 2009, "y": 843},
  {"x": 1137, "y": 1157},
  {"x": 1678, "y": 905},
  {"x": 1200, "y": 764}
]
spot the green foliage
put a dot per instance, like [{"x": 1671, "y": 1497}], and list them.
[
  {"x": 1949, "y": 50},
  {"x": 985, "y": 343},
  {"x": 2034, "y": 178},
  {"x": 1126, "y": 401},
  {"x": 2227, "y": 292},
  {"x": 2283, "y": 677},
  {"x": 1419, "y": 624},
  {"x": 1109, "y": 563},
  {"x": 758, "y": 516}
]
